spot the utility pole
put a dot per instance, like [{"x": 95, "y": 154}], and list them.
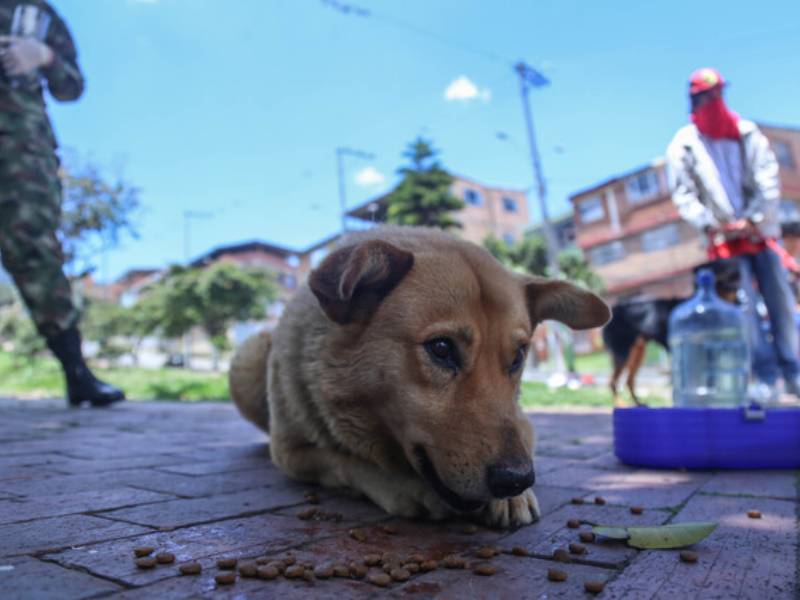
[
  {"x": 528, "y": 78},
  {"x": 341, "y": 152}
]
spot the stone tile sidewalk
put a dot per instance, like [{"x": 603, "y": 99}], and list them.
[{"x": 80, "y": 489}]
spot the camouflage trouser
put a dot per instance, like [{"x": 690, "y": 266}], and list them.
[{"x": 30, "y": 208}]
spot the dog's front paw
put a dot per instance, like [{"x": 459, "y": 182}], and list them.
[{"x": 512, "y": 512}]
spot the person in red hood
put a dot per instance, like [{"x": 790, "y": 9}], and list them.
[{"x": 724, "y": 181}]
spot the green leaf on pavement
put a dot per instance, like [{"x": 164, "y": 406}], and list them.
[{"x": 675, "y": 535}]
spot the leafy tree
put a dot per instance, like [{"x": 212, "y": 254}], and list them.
[
  {"x": 109, "y": 324},
  {"x": 18, "y": 330},
  {"x": 576, "y": 268},
  {"x": 498, "y": 248},
  {"x": 212, "y": 298},
  {"x": 423, "y": 196},
  {"x": 96, "y": 213},
  {"x": 531, "y": 254}
]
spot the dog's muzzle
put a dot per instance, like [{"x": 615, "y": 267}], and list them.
[
  {"x": 428, "y": 471},
  {"x": 506, "y": 481}
]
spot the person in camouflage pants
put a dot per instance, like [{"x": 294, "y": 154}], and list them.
[{"x": 30, "y": 187}]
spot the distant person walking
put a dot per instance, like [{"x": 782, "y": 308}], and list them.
[
  {"x": 724, "y": 181},
  {"x": 36, "y": 47}
]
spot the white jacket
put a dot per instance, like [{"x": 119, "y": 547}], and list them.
[{"x": 698, "y": 192}]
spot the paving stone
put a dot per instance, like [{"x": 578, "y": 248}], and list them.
[
  {"x": 551, "y": 532},
  {"x": 25, "y": 578},
  {"x": 775, "y": 484},
  {"x": 80, "y": 502},
  {"x": 719, "y": 573},
  {"x": 551, "y": 498},
  {"x": 351, "y": 510},
  {"x": 517, "y": 577},
  {"x": 44, "y": 534},
  {"x": 236, "y": 538},
  {"x": 202, "y": 510}
]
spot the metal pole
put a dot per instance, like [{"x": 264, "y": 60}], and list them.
[{"x": 541, "y": 186}]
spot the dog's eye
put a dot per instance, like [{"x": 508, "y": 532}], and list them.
[
  {"x": 519, "y": 358},
  {"x": 444, "y": 353}
]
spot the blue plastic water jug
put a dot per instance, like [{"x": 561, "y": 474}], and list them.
[{"x": 710, "y": 356}]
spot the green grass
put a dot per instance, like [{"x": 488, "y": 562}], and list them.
[
  {"x": 41, "y": 377},
  {"x": 538, "y": 395}
]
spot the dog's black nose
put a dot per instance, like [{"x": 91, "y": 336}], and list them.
[{"x": 505, "y": 481}]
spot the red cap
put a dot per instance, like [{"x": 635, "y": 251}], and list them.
[{"x": 704, "y": 79}]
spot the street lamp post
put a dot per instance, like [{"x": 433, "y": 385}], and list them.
[{"x": 341, "y": 152}]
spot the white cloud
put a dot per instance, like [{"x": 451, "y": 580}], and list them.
[
  {"x": 370, "y": 177},
  {"x": 462, "y": 89}
]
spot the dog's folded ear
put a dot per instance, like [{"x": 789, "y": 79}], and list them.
[
  {"x": 352, "y": 280},
  {"x": 562, "y": 301}
]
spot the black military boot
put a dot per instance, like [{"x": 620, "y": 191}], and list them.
[{"x": 82, "y": 385}]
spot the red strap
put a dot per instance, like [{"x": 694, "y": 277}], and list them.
[{"x": 742, "y": 246}]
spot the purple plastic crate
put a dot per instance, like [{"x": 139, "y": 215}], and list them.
[{"x": 708, "y": 438}]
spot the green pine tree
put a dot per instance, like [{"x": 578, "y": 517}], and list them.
[{"x": 423, "y": 196}]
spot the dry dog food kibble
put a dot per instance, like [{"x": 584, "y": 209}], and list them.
[
  {"x": 358, "y": 534},
  {"x": 340, "y": 570},
  {"x": 268, "y": 572},
  {"x": 191, "y": 568},
  {"x": 248, "y": 570},
  {"x": 372, "y": 560},
  {"x": 561, "y": 555},
  {"x": 469, "y": 529},
  {"x": 305, "y": 515},
  {"x": 577, "y": 548},
  {"x": 556, "y": 575},
  {"x": 308, "y": 575},
  {"x": 324, "y": 571},
  {"x": 400, "y": 574},
  {"x": 411, "y": 567},
  {"x": 225, "y": 578},
  {"x": 586, "y": 536},
  {"x": 146, "y": 562},
  {"x": 573, "y": 523},
  {"x": 379, "y": 579},
  {"x": 226, "y": 563},
  {"x": 594, "y": 587},
  {"x": 754, "y": 514},
  {"x": 358, "y": 571},
  {"x": 454, "y": 561},
  {"x": 428, "y": 565},
  {"x": 391, "y": 529},
  {"x": 294, "y": 572},
  {"x": 484, "y": 569},
  {"x": 165, "y": 558},
  {"x": 263, "y": 560},
  {"x": 636, "y": 510},
  {"x": 577, "y": 500},
  {"x": 688, "y": 556},
  {"x": 415, "y": 558},
  {"x": 289, "y": 559},
  {"x": 485, "y": 552},
  {"x": 519, "y": 551},
  {"x": 143, "y": 551},
  {"x": 599, "y": 500}
]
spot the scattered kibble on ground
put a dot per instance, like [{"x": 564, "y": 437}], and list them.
[
  {"x": 146, "y": 562},
  {"x": 380, "y": 579},
  {"x": 484, "y": 569},
  {"x": 556, "y": 575},
  {"x": 576, "y": 548},
  {"x": 573, "y": 523},
  {"x": 191, "y": 568},
  {"x": 599, "y": 500},
  {"x": 577, "y": 501},
  {"x": 688, "y": 556},
  {"x": 586, "y": 536},
  {"x": 561, "y": 555},
  {"x": 594, "y": 587},
  {"x": 636, "y": 510},
  {"x": 143, "y": 551},
  {"x": 225, "y": 578},
  {"x": 754, "y": 514},
  {"x": 519, "y": 551},
  {"x": 165, "y": 558}
]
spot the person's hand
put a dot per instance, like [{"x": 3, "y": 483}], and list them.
[
  {"x": 740, "y": 228},
  {"x": 22, "y": 55}
]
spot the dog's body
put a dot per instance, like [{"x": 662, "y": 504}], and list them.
[{"x": 395, "y": 373}]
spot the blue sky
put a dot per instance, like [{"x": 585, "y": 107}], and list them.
[{"x": 234, "y": 108}]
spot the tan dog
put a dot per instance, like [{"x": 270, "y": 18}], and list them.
[{"x": 396, "y": 372}]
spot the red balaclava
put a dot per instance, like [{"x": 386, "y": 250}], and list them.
[{"x": 713, "y": 118}]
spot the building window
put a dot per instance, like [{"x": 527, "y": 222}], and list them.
[
  {"x": 783, "y": 152},
  {"x": 473, "y": 197},
  {"x": 606, "y": 253},
  {"x": 642, "y": 187},
  {"x": 660, "y": 237},
  {"x": 591, "y": 209},
  {"x": 509, "y": 205}
]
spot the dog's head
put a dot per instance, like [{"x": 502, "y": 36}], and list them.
[{"x": 431, "y": 343}]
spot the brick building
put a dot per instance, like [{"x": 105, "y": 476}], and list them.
[
  {"x": 635, "y": 239},
  {"x": 488, "y": 210}
]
